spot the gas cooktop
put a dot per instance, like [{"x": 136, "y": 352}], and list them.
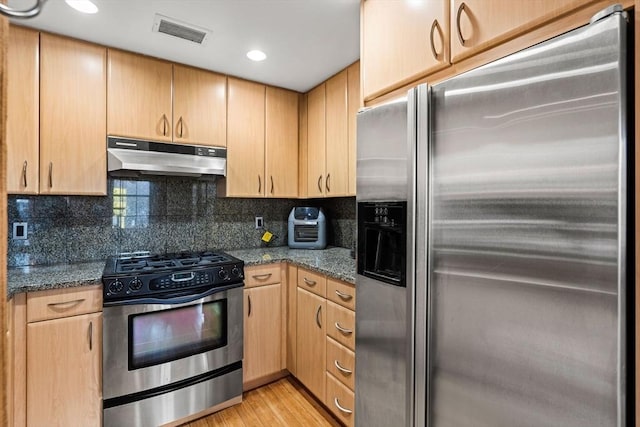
[{"x": 143, "y": 275}]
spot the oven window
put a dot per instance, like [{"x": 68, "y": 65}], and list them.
[{"x": 161, "y": 336}]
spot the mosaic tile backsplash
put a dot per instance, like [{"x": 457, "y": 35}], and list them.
[{"x": 159, "y": 214}]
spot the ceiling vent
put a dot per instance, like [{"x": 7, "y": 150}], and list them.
[{"x": 181, "y": 30}]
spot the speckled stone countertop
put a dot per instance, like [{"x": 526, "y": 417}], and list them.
[
  {"x": 334, "y": 262},
  {"x": 38, "y": 278}
]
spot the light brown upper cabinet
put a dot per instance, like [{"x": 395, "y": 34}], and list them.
[
  {"x": 477, "y": 25},
  {"x": 281, "y": 143},
  {"x": 73, "y": 158},
  {"x": 23, "y": 111},
  {"x": 245, "y": 139},
  {"x": 327, "y": 145},
  {"x": 262, "y": 141},
  {"x": 139, "y": 97},
  {"x": 199, "y": 106},
  {"x": 316, "y": 131},
  {"x": 153, "y": 99},
  {"x": 402, "y": 41},
  {"x": 336, "y": 181},
  {"x": 353, "y": 105}
]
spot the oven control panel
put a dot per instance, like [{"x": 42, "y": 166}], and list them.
[{"x": 152, "y": 284}]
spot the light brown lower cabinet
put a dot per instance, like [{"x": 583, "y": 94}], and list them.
[
  {"x": 64, "y": 364},
  {"x": 311, "y": 341},
  {"x": 340, "y": 400},
  {"x": 262, "y": 333},
  {"x": 56, "y": 362},
  {"x": 265, "y": 353}
]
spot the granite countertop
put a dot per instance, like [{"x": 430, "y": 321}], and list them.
[{"x": 334, "y": 262}]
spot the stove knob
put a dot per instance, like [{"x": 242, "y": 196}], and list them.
[
  {"x": 135, "y": 285},
  {"x": 116, "y": 286},
  {"x": 223, "y": 274},
  {"x": 235, "y": 272}
]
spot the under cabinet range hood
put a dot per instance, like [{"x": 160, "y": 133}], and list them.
[{"x": 132, "y": 157}]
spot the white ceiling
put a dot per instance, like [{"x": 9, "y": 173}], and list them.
[{"x": 306, "y": 41}]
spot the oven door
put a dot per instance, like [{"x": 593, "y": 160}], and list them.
[{"x": 149, "y": 345}]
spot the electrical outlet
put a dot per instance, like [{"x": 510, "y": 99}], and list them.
[
  {"x": 19, "y": 231},
  {"x": 259, "y": 222}
]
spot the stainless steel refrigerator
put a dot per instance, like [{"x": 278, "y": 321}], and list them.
[{"x": 518, "y": 256}]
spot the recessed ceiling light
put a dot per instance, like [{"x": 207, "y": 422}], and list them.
[
  {"x": 256, "y": 55},
  {"x": 84, "y": 6}
]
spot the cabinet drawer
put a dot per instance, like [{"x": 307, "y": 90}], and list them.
[
  {"x": 341, "y": 293},
  {"x": 340, "y": 400},
  {"x": 341, "y": 363},
  {"x": 56, "y": 303},
  {"x": 313, "y": 282},
  {"x": 341, "y": 324},
  {"x": 262, "y": 275}
]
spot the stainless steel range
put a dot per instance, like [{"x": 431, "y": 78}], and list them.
[{"x": 172, "y": 338}]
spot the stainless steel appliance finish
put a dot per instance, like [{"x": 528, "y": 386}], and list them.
[
  {"x": 172, "y": 335},
  {"x": 382, "y": 339},
  {"x": 119, "y": 380},
  {"x": 159, "y": 410},
  {"x": 522, "y": 196},
  {"x": 134, "y": 157},
  {"x": 307, "y": 228}
]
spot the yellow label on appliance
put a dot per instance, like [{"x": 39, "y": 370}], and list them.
[{"x": 266, "y": 237}]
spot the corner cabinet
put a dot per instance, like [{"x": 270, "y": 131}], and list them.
[
  {"x": 149, "y": 98},
  {"x": 264, "y": 325},
  {"x": 262, "y": 141},
  {"x": 73, "y": 159},
  {"x": 401, "y": 42},
  {"x": 23, "y": 93}
]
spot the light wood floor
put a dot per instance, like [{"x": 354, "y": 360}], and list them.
[{"x": 282, "y": 403}]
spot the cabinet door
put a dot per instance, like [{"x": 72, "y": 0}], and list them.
[
  {"x": 64, "y": 362},
  {"x": 245, "y": 139},
  {"x": 477, "y": 25},
  {"x": 281, "y": 143},
  {"x": 316, "y": 141},
  {"x": 139, "y": 96},
  {"x": 402, "y": 41},
  {"x": 23, "y": 94},
  {"x": 337, "y": 145},
  {"x": 73, "y": 158},
  {"x": 353, "y": 105},
  {"x": 311, "y": 341},
  {"x": 199, "y": 107},
  {"x": 262, "y": 332}
]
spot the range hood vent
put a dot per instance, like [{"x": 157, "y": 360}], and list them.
[
  {"x": 133, "y": 157},
  {"x": 181, "y": 30}
]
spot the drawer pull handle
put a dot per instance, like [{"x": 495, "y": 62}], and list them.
[
  {"x": 65, "y": 304},
  {"x": 341, "y": 369},
  {"x": 343, "y": 296},
  {"x": 309, "y": 282},
  {"x": 318, "y": 317},
  {"x": 461, "y": 8},
  {"x": 343, "y": 330},
  {"x": 345, "y": 410},
  {"x": 262, "y": 276}
]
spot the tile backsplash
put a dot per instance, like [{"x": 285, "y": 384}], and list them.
[{"x": 159, "y": 214}]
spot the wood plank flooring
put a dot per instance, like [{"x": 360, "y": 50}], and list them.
[{"x": 282, "y": 403}]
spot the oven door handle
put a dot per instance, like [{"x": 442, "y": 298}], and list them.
[{"x": 179, "y": 297}]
